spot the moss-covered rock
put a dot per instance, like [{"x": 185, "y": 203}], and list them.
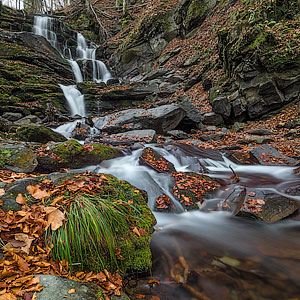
[
  {"x": 130, "y": 224},
  {"x": 71, "y": 154},
  {"x": 18, "y": 158},
  {"x": 38, "y": 134}
]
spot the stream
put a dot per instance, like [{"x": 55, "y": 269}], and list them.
[{"x": 208, "y": 253}]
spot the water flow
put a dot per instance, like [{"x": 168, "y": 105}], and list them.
[
  {"x": 100, "y": 71},
  {"x": 75, "y": 99},
  {"x": 43, "y": 26}
]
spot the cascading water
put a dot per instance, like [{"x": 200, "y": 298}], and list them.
[{"x": 44, "y": 26}]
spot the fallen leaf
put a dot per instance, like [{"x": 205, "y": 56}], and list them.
[
  {"x": 8, "y": 296},
  {"x": 21, "y": 200},
  {"x": 136, "y": 231},
  {"x": 71, "y": 291},
  {"x": 2, "y": 192},
  {"x": 140, "y": 296},
  {"x": 155, "y": 298},
  {"x": 55, "y": 218},
  {"x": 25, "y": 239}
]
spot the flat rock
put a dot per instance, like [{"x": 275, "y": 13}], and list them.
[
  {"x": 29, "y": 120},
  {"x": 267, "y": 206},
  {"x": 260, "y": 131},
  {"x": 178, "y": 134},
  {"x": 267, "y": 155},
  {"x": 155, "y": 161},
  {"x": 161, "y": 119},
  {"x": 56, "y": 288},
  {"x": 145, "y": 136},
  {"x": 10, "y": 116},
  {"x": 155, "y": 74}
]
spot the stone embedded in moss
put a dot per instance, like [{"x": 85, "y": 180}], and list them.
[
  {"x": 17, "y": 158},
  {"x": 71, "y": 154},
  {"x": 38, "y": 134}
]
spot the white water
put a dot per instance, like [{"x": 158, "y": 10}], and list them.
[
  {"x": 44, "y": 26},
  {"x": 75, "y": 99},
  {"x": 100, "y": 71}
]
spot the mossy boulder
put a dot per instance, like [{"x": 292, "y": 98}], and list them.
[
  {"x": 71, "y": 154},
  {"x": 129, "y": 228},
  {"x": 17, "y": 158},
  {"x": 38, "y": 134}
]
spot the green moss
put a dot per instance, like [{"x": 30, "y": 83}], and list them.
[
  {"x": 5, "y": 154},
  {"x": 195, "y": 13},
  {"x": 39, "y": 134},
  {"x": 100, "y": 294},
  {"x": 130, "y": 54},
  {"x": 135, "y": 254}
]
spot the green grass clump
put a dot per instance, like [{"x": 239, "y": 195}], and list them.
[{"x": 89, "y": 237}]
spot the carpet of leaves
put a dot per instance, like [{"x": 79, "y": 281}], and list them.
[{"x": 22, "y": 235}]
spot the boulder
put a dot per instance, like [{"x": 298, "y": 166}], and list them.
[
  {"x": 193, "y": 117},
  {"x": 29, "y": 120},
  {"x": 267, "y": 206},
  {"x": 161, "y": 119},
  {"x": 38, "y": 134},
  {"x": 10, "y": 116},
  {"x": 267, "y": 155},
  {"x": 260, "y": 131},
  {"x": 144, "y": 136},
  {"x": 17, "y": 158},
  {"x": 212, "y": 118},
  {"x": 71, "y": 154},
  {"x": 222, "y": 106},
  {"x": 158, "y": 73}
]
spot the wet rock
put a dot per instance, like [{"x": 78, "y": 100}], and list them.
[
  {"x": 192, "y": 189},
  {"x": 233, "y": 200},
  {"x": 17, "y": 158},
  {"x": 145, "y": 136},
  {"x": 207, "y": 83},
  {"x": 177, "y": 134},
  {"x": 112, "y": 81},
  {"x": 174, "y": 78},
  {"x": 161, "y": 119},
  {"x": 192, "y": 61},
  {"x": 238, "y": 109},
  {"x": 10, "y": 116},
  {"x": 38, "y": 134},
  {"x": 267, "y": 155},
  {"x": 56, "y": 288},
  {"x": 241, "y": 158},
  {"x": 155, "y": 161},
  {"x": 168, "y": 55},
  {"x": 211, "y": 128},
  {"x": 260, "y": 131},
  {"x": 72, "y": 154},
  {"x": 267, "y": 206},
  {"x": 237, "y": 126},
  {"x": 212, "y": 119}
]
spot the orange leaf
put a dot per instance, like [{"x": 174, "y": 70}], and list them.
[
  {"x": 136, "y": 231},
  {"x": 8, "y": 296},
  {"x": 155, "y": 298},
  {"x": 55, "y": 218},
  {"x": 2, "y": 192},
  {"x": 140, "y": 296},
  {"x": 21, "y": 199},
  {"x": 71, "y": 291}
]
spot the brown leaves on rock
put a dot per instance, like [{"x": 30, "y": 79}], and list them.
[{"x": 23, "y": 233}]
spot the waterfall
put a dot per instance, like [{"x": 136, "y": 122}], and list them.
[
  {"x": 44, "y": 26},
  {"x": 83, "y": 52}
]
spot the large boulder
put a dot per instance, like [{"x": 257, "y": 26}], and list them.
[
  {"x": 71, "y": 154},
  {"x": 161, "y": 119},
  {"x": 17, "y": 158},
  {"x": 135, "y": 136},
  {"x": 38, "y": 134}
]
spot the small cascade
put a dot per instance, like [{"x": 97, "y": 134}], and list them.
[
  {"x": 75, "y": 99},
  {"x": 83, "y": 52},
  {"x": 44, "y": 26}
]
